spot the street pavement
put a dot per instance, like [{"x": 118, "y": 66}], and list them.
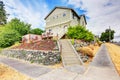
[{"x": 31, "y": 70}]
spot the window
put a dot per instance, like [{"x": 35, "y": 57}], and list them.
[
  {"x": 72, "y": 15},
  {"x": 53, "y": 17},
  {"x": 50, "y": 30},
  {"x": 64, "y": 14},
  {"x": 56, "y": 16},
  {"x": 65, "y": 26}
]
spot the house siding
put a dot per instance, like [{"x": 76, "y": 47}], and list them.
[
  {"x": 58, "y": 29},
  {"x": 82, "y": 21},
  {"x": 57, "y": 17},
  {"x": 58, "y": 24}
]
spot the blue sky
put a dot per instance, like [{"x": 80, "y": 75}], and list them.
[{"x": 100, "y": 13}]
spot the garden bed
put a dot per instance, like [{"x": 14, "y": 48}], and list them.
[
  {"x": 39, "y": 45},
  {"x": 85, "y": 50}
]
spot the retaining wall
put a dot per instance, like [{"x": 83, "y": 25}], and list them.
[{"x": 34, "y": 56}]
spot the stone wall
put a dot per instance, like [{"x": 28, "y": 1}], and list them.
[{"x": 34, "y": 56}]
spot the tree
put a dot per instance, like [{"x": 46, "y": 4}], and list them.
[
  {"x": 21, "y": 27},
  {"x": 107, "y": 36},
  {"x": 8, "y": 37},
  {"x": 80, "y": 32},
  {"x": 3, "y": 18},
  {"x": 36, "y": 31}
]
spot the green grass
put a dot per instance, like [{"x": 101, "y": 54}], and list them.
[
  {"x": 1, "y": 49},
  {"x": 16, "y": 44}
]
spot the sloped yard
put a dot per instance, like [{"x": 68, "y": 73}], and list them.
[
  {"x": 41, "y": 45},
  {"x": 86, "y": 50},
  {"x": 7, "y": 73},
  {"x": 114, "y": 51},
  {"x": 91, "y": 51}
]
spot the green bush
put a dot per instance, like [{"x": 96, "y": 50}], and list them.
[
  {"x": 8, "y": 37},
  {"x": 21, "y": 27},
  {"x": 80, "y": 32},
  {"x": 72, "y": 41},
  {"x": 36, "y": 31}
]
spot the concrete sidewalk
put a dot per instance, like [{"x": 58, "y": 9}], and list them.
[
  {"x": 31, "y": 70},
  {"x": 101, "y": 67}
]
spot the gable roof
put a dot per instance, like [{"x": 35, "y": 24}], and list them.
[
  {"x": 63, "y": 8},
  {"x": 79, "y": 16},
  {"x": 83, "y": 17}
]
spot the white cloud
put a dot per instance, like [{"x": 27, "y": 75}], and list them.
[
  {"x": 102, "y": 13},
  {"x": 31, "y": 13}
]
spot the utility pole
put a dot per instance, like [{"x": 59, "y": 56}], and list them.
[{"x": 109, "y": 34}]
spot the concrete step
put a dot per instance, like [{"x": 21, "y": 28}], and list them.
[
  {"x": 69, "y": 59},
  {"x": 68, "y": 54},
  {"x": 72, "y": 63}
]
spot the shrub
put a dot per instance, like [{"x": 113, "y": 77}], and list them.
[
  {"x": 21, "y": 27},
  {"x": 80, "y": 32},
  {"x": 8, "y": 37},
  {"x": 72, "y": 41},
  {"x": 87, "y": 51},
  {"x": 36, "y": 31},
  {"x": 91, "y": 47},
  {"x": 99, "y": 43}
]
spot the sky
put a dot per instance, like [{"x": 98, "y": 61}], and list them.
[{"x": 100, "y": 14}]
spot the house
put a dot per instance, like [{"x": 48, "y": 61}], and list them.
[
  {"x": 28, "y": 38},
  {"x": 60, "y": 18}
]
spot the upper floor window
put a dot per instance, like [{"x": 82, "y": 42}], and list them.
[
  {"x": 73, "y": 15},
  {"x": 53, "y": 17},
  {"x": 64, "y": 14}
]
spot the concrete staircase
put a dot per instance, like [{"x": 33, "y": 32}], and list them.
[{"x": 69, "y": 56}]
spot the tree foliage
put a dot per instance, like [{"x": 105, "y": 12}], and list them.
[
  {"x": 108, "y": 35},
  {"x": 3, "y": 18},
  {"x": 21, "y": 27},
  {"x": 13, "y": 32},
  {"x": 36, "y": 31},
  {"x": 8, "y": 37},
  {"x": 80, "y": 32}
]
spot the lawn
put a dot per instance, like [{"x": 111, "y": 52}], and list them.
[{"x": 114, "y": 51}]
